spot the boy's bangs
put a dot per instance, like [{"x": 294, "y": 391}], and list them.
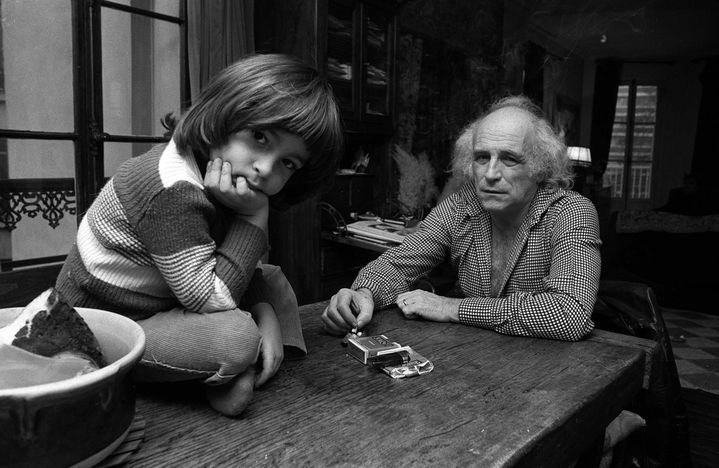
[{"x": 314, "y": 120}]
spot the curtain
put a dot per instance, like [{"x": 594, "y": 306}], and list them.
[
  {"x": 606, "y": 84},
  {"x": 219, "y": 32},
  {"x": 705, "y": 162},
  {"x": 409, "y": 68}
]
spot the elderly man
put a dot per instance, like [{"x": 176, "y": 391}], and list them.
[{"x": 524, "y": 247}]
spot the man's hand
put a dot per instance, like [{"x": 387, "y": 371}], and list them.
[
  {"x": 348, "y": 309},
  {"x": 427, "y": 305},
  {"x": 250, "y": 205},
  {"x": 271, "y": 349}
]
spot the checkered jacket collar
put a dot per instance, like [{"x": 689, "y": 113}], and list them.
[{"x": 470, "y": 204}]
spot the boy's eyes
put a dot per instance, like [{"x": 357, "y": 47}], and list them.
[
  {"x": 259, "y": 136},
  {"x": 268, "y": 140},
  {"x": 290, "y": 164}
]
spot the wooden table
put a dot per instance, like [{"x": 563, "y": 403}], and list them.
[{"x": 492, "y": 400}]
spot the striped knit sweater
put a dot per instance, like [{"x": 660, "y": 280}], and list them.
[{"x": 153, "y": 240}]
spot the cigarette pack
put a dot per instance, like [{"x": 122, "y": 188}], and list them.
[
  {"x": 396, "y": 357},
  {"x": 365, "y": 347}
]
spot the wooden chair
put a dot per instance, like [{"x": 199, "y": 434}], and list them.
[{"x": 631, "y": 308}]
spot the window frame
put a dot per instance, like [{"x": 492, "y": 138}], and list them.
[
  {"x": 625, "y": 200},
  {"x": 89, "y": 136}
]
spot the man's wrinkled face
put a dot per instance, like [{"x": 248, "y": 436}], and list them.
[{"x": 502, "y": 175}]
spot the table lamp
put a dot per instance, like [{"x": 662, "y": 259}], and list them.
[{"x": 579, "y": 155}]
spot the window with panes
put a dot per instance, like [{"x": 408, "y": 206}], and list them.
[
  {"x": 631, "y": 154},
  {"x": 83, "y": 86}
]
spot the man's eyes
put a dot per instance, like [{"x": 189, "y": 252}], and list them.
[
  {"x": 510, "y": 161},
  {"x": 507, "y": 159},
  {"x": 481, "y": 158}
]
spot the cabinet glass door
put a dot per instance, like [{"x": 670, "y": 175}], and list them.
[
  {"x": 340, "y": 53},
  {"x": 376, "y": 79}
]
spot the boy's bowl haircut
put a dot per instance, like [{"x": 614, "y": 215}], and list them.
[{"x": 269, "y": 91}]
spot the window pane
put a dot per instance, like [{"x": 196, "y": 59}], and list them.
[
  {"x": 640, "y": 180},
  {"x": 619, "y": 142},
  {"x": 614, "y": 178},
  {"x": 643, "y": 143},
  {"x": 377, "y": 64},
  {"x": 620, "y": 112},
  {"x": 38, "y": 207},
  {"x": 638, "y": 183},
  {"x": 117, "y": 153},
  {"x": 646, "y": 104},
  {"x": 340, "y": 50},
  {"x": 614, "y": 174},
  {"x": 39, "y": 158},
  {"x": 642, "y": 151},
  {"x": 166, "y": 7},
  {"x": 36, "y": 92},
  {"x": 141, "y": 72}
]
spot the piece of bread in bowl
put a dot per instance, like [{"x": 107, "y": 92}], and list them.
[{"x": 51, "y": 327}]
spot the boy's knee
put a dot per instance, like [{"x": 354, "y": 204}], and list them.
[{"x": 236, "y": 347}]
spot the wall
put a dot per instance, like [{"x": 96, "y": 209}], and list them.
[
  {"x": 449, "y": 69},
  {"x": 568, "y": 74},
  {"x": 561, "y": 71},
  {"x": 705, "y": 163}
]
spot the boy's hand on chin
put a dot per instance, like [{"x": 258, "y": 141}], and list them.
[
  {"x": 249, "y": 200},
  {"x": 249, "y": 204}
]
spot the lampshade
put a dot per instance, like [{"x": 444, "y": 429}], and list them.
[{"x": 579, "y": 155}]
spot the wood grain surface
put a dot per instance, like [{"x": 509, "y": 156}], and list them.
[{"x": 492, "y": 400}]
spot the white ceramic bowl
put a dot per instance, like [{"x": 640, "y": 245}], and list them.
[{"x": 77, "y": 421}]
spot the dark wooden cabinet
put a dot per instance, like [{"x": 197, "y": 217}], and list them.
[
  {"x": 361, "y": 66},
  {"x": 353, "y": 44},
  {"x": 360, "y": 61},
  {"x": 340, "y": 263}
]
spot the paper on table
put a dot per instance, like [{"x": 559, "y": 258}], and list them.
[
  {"x": 417, "y": 365},
  {"x": 380, "y": 230}
]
